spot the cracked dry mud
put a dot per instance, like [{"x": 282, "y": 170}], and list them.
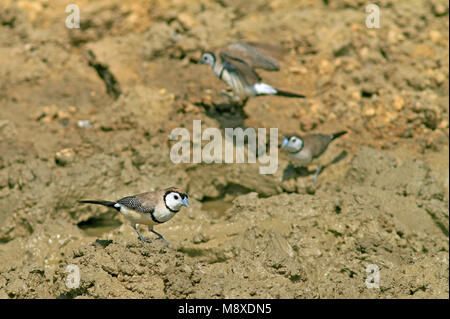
[{"x": 131, "y": 70}]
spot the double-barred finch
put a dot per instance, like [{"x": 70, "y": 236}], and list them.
[
  {"x": 307, "y": 149},
  {"x": 236, "y": 66},
  {"x": 152, "y": 208}
]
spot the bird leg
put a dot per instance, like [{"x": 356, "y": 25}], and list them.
[
  {"x": 150, "y": 228},
  {"x": 231, "y": 96},
  {"x": 316, "y": 174},
  {"x": 143, "y": 239},
  {"x": 235, "y": 98}
]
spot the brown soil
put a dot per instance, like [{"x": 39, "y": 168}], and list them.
[{"x": 131, "y": 70}]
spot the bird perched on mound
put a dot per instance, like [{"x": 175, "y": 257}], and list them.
[
  {"x": 236, "y": 66},
  {"x": 152, "y": 208},
  {"x": 307, "y": 149}
]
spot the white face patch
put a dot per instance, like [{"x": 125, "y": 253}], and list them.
[
  {"x": 207, "y": 58},
  {"x": 295, "y": 144},
  {"x": 174, "y": 201}
]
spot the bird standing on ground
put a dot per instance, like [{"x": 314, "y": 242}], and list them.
[
  {"x": 236, "y": 66},
  {"x": 152, "y": 208},
  {"x": 307, "y": 149}
]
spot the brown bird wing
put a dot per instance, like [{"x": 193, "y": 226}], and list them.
[
  {"x": 240, "y": 68},
  {"x": 317, "y": 143},
  {"x": 256, "y": 55},
  {"x": 144, "y": 203}
]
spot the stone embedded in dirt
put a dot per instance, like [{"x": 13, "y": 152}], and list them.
[
  {"x": 84, "y": 124},
  {"x": 64, "y": 156}
]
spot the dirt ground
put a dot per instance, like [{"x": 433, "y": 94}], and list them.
[{"x": 132, "y": 71}]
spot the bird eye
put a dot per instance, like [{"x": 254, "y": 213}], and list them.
[{"x": 176, "y": 197}]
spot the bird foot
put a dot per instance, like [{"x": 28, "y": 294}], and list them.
[
  {"x": 165, "y": 241},
  {"x": 232, "y": 97},
  {"x": 145, "y": 240}
]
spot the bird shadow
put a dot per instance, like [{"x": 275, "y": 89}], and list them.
[
  {"x": 294, "y": 172},
  {"x": 229, "y": 114},
  {"x": 103, "y": 242}
]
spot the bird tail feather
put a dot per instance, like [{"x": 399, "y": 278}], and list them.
[
  {"x": 289, "y": 94},
  {"x": 99, "y": 202},
  {"x": 338, "y": 134}
]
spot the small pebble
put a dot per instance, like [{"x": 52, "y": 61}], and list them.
[{"x": 84, "y": 124}]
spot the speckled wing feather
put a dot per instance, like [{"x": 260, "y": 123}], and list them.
[
  {"x": 256, "y": 55},
  {"x": 143, "y": 203},
  {"x": 240, "y": 68}
]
